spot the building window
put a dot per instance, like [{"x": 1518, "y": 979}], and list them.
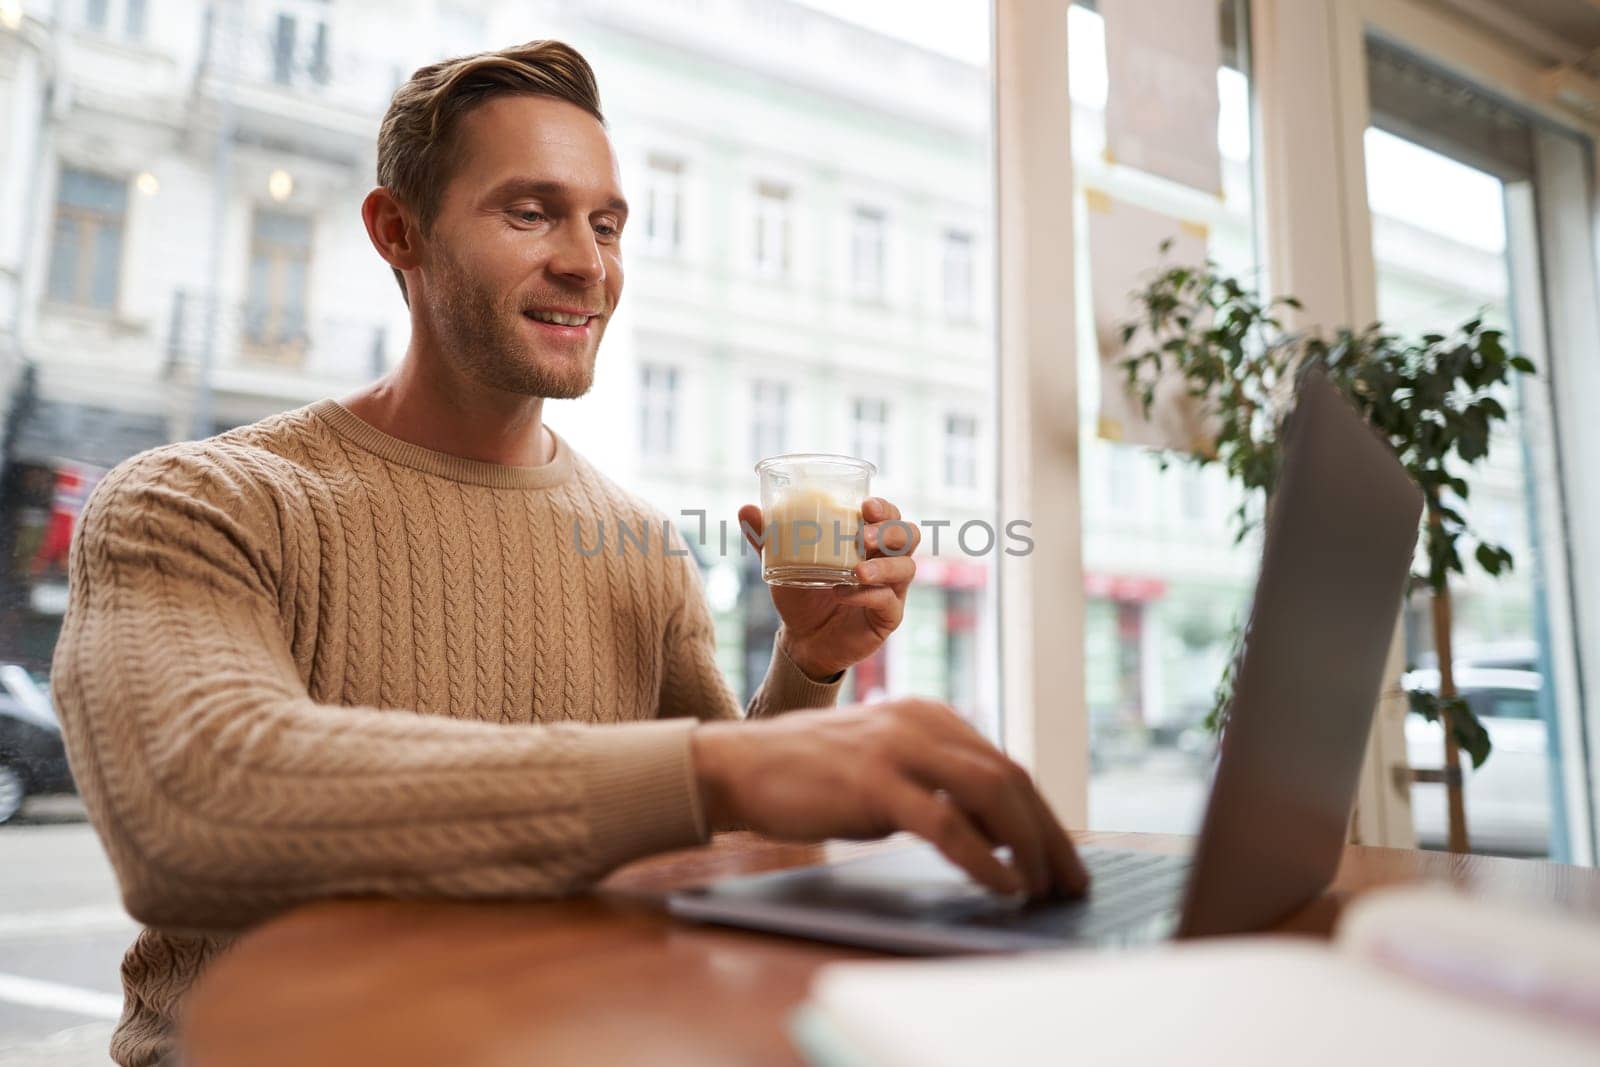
[
  {"x": 663, "y": 205},
  {"x": 658, "y": 411},
  {"x": 300, "y": 48},
  {"x": 1192, "y": 493},
  {"x": 86, "y": 248},
  {"x": 869, "y": 431},
  {"x": 280, "y": 266},
  {"x": 97, "y": 14},
  {"x": 1122, "y": 478},
  {"x": 133, "y": 20},
  {"x": 772, "y": 229},
  {"x": 957, "y": 272},
  {"x": 769, "y": 419},
  {"x": 961, "y": 451},
  {"x": 867, "y": 236}
]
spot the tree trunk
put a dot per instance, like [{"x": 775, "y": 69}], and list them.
[{"x": 1452, "y": 750}]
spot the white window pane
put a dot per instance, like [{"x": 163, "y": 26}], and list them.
[{"x": 1164, "y": 579}]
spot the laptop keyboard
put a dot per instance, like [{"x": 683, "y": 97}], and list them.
[{"x": 1126, "y": 889}]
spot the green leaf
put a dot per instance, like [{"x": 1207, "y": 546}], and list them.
[
  {"x": 1469, "y": 732},
  {"x": 1489, "y": 559},
  {"x": 1523, "y": 364}
]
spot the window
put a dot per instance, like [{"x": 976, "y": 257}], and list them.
[
  {"x": 86, "y": 251},
  {"x": 1457, "y": 183},
  {"x": 1122, "y": 478},
  {"x": 869, "y": 431},
  {"x": 663, "y": 205},
  {"x": 104, "y": 16},
  {"x": 866, "y": 254},
  {"x": 1151, "y": 561},
  {"x": 1193, "y": 493},
  {"x": 134, "y": 19},
  {"x": 754, "y": 192},
  {"x": 960, "y": 451},
  {"x": 300, "y": 47},
  {"x": 772, "y": 229},
  {"x": 956, "y": 264},
  {"x": 769, "y": 419},
  {"x": 658, "y": 410},
  {"x": 280, "y": 266}
]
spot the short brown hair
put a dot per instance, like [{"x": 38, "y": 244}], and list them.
[{"x": 416, "y": 143}]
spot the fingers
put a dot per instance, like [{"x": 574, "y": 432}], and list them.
[
  {"x": 991, "y": 793},
  {"x": 752, "y": 522},
  {"x": 942, "y": 824},
  {"x": 892, "y": 537},
  {"x": 884, "y": 606},
  {"x": 1068, "y": 875},
  {"x": 895, "y": 572},
  {"x": 877, "y": 509}
]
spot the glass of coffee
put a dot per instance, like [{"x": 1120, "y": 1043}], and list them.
[{"x": 811, "y": 504}]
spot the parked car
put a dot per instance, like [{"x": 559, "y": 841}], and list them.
[
  {"x": 33, "y": 757},
  {"x": 1508, "y": 799}
]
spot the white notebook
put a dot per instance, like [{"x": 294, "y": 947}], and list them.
[{"x": 1412, "y": 977}]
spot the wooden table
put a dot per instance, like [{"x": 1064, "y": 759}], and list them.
[{"x": 609, "y": 978}]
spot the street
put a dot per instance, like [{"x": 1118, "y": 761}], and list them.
[{"x": 62, "y": 935}]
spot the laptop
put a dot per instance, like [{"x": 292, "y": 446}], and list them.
[{"x": 1340, "y": 534}]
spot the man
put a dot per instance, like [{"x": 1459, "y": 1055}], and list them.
[{"x": 353, "y": 649}]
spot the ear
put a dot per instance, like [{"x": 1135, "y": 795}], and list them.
[{"x": 392, "y": 229}]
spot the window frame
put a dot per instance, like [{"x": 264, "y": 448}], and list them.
[{"x": 90, "y": 221}]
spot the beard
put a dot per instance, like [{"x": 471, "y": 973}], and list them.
[{"x": 486, "y": 338}]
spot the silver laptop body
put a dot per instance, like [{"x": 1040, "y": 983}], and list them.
[{"x": 1339, "y": 540}]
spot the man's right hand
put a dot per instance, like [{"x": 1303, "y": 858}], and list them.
[{"x": 865, "y": 772}]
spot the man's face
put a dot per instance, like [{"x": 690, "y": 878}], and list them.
[{"x": 529, "y": 227}]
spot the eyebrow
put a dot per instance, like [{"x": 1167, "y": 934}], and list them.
[{"x": 537, "y": 187}]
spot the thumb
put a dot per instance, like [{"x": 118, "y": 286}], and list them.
[{"x": 752, "y": 522}]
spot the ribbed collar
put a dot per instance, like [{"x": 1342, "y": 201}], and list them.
[{"x": 364, "y": 435}]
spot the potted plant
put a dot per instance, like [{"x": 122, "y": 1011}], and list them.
[{"x": 1435, "y": 398}]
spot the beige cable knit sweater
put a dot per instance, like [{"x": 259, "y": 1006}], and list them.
[{"x": 305, "y": 659}]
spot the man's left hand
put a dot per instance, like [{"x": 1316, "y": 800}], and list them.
[{"x": 827, "y": 630}]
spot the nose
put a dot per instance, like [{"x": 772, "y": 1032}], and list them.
[{"x": 576, "y": 256}]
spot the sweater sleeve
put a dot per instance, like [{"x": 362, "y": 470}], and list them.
[
  {"x": 694, "y": 685},
  {"x": 224, "y": 792}
]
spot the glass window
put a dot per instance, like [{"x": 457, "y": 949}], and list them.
[
  {"x": 771, "y": 249},
  {"x": 866, "y": 253},
  {"x": 769, "y": 419},
  {"x": 280, "y": 267},
  {"x": 134, "y": 21},
  {"x": 1513, "y": 704},
  {"x": 1164, "y": 580},
  {"x": 960, "y": 451},
  {"x": 283, "y": 47},
  {"x": 869, "y": 432},
  {"x": 97, "y": 13},
  {"x": 658, "y": 410},
  {"x": 86, "y": 253},
  {"x": 663, "y": 205},
  {"x": 957, "y": 274},
  {"x": 1451, "y": 180},
  {"x": 747, "y": 342}
]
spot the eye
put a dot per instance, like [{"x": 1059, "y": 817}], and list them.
[
  {"x": 529, "y": 216},
  {"x": 606, "y": 230}
]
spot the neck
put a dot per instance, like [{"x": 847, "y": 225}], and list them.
[{"x": 424, "y": 403}]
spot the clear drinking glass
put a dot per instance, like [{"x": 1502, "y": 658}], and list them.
[{"x": 811, "y": 504}]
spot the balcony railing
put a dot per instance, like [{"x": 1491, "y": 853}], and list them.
[{"x": 272, "y": 340}]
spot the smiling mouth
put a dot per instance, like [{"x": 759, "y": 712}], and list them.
[{"x": 560, "y": 318}]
